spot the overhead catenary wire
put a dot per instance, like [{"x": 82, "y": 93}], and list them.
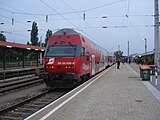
[
  {"x": 81, "y": 11},
  {"x": 97, "y": 27},
  {"x": 130, "y": 22},
  {"x": 8, "y": 32},
  {"x": 135, "y": 30},
  {"x": 84, "y": 17},
  {"x": 73, "y": 12},
  {"x": 59, "y": 14},
  {"x": 87, "y": 17},
  {"x": 17, "y": 21},
  {"x": 68, "y": 13},
  {"x": 90, "y": 9},
  {"x": 108, "y": 27},
  {"x": 77, "y": 15},
  {"x": 128, "y": 8},
  {"x": 22, "y": 12},
  {"x": 47, "y": 14},
  {"x": 14, "y": 20}
]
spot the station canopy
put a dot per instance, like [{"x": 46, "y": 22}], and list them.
[{"x": 21, "y": 46}]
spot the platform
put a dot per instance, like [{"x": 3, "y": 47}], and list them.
[{"x": 117, "y": 94}]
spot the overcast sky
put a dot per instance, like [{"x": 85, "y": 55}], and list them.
[{"x": 127, "y": 20}]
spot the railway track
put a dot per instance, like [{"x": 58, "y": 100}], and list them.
[
  {"x": 27, "y": 107},
  {"x": 16, "y": 85}
]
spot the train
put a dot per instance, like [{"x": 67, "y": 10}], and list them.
[{"x": 70, "y": 58}]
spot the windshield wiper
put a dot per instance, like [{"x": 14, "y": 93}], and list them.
[
  {"x": 73, "y": 47},
  {"x": 54, "y": 43}
]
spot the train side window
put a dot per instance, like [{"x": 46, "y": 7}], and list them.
[
  {"x": 82, "y": 51},
  {"x": 87, "y": 56}
]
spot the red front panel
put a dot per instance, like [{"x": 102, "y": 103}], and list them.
[
  {"x": 67, "y": 65},
  {"x": 60, "y": 65}
]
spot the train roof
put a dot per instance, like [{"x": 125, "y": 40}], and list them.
[
  {"x": 66, "y": 31},
  {"x": 69, "y": 31}
]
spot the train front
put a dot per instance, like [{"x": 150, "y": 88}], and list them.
[{"x": 60, "y": 66}]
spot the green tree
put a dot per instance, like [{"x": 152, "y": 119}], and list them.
[
  {"x": 2, "y": 37},
  {"x": 34, "y": 34},
  {"x": 118, "y": 54},
  {"x": 48, "y": 35},
  {"x": 28, "y": 43}
]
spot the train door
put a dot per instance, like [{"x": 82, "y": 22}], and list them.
[{"x": 93, "y": 64}]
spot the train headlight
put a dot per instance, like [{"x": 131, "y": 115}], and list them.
[
  {"x": 69, "y": 66},
  {"x": 49, "y": 66},
  {"x": 52, "y": 66}
]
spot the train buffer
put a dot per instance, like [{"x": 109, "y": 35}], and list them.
[{"x": 115, "y": 94}]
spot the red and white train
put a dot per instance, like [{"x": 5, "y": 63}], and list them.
[{"x": 70, "y": 58}]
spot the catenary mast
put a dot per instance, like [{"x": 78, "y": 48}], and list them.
[{"x": 156, "y": 34}]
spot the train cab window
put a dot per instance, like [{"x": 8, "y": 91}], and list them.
[
  {"x": 82, "y": 53},
  {"x": 65, "y": 51},
  {"x": 61, "y": 51}
]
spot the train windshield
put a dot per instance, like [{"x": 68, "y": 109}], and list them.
[{"x": 62, "y": 51}]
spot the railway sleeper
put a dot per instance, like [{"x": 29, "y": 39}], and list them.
[
  {"x": 15, "y": 115},
  {"x": 2, "y": 117},
  {"x": 45, "y": 100},
  {"x": 28, "y": 110},
  {"x": 18, "y": 113},
  {"x": 39, "y": 103},
  {"x": 32, "y": 106}
]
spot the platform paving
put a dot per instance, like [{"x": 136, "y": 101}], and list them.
[{"x": 119, "y": 94}]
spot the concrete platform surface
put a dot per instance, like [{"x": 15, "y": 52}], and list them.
[{"x": 118, "y": 94}]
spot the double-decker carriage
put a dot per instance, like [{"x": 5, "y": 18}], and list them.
[{"x": 70, "y": 59}]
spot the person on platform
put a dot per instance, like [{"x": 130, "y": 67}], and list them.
[{"x": 118, "y": 64}]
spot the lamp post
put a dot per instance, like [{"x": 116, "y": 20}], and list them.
[
  {"x": 128, "y": 51},
  {"x": 145, "y": 46}
]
